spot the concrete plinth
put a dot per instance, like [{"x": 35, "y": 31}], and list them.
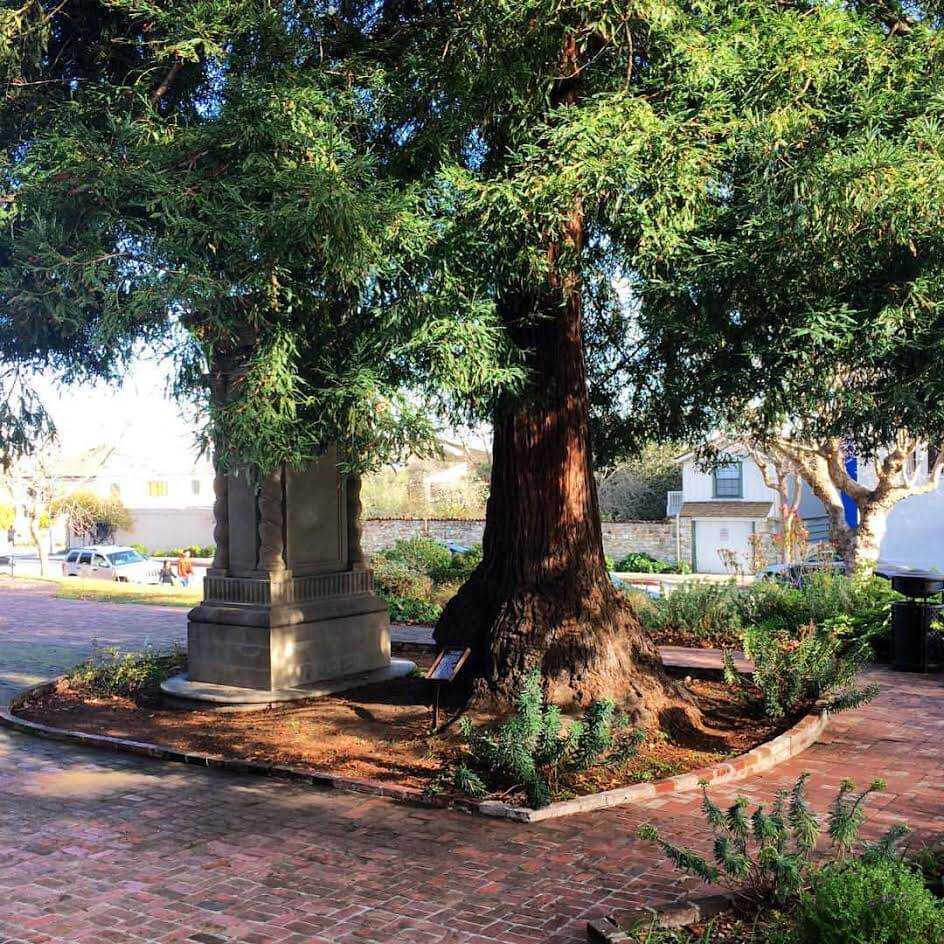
[
  {"x": 288, "y": 604},
  {"x": 185, "y": 691},
  {"x": 283, "y": 647}
]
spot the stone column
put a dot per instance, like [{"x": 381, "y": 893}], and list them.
[
  {"x": 272, "y": 525},
  {"x": 355, "y": 554},
  {"x": 220, "y": 566},
  {"x": 296, "y": 606}
]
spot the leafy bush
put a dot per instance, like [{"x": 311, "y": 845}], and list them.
[
  {"x": 96, "y": 519},
  {"x": 883, "y": 902},
  {"x": 417, "y": 577},
  {"x": 109, "y": 671},
  {"x": 532, "y": 749},
  {"x": 929, "y": 860},
  {"x": 459, "y": 568},
  {"x": 196, "y": 550},
  {"x": 411, "y": 610},
  {"x": 141, "y": 549},
  {"x": 717, "y": 613},
  {"x": 397, "y": 578},
  {"x": 708, "y": 611},
  {"x": 7, "y": 517},
  {"x": 423, "y": 555},
  {"x": 817, "y": 668},
  {"x": 639, "y": 562},
  {"x": 769, "y": 857}
]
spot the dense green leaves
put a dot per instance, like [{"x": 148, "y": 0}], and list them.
[
  {"x": 328, "y": 200},
  {"x": 221, "y": 202}
]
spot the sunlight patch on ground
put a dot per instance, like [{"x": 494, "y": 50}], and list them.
[{"x": 95, "y": 783}]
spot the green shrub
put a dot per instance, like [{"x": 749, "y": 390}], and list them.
[
  {"x": 109, "y": 671},
  {"x": 397, "y": 578},
  {"x": 411, "y": 610},
  {"x": 717, "y": 613},
  {"x": 459, "y": 568},
  {"x": 767, "y": 858},
  {"x": 883, "y": 902},
  {"x": 532, "y": 750},
  {"x": 141, "y": 549},
  {"x": 816, "y": 668},
  {"x": 424, "y": 555},
  {"x": 639, "y": 562},
  {"x": 609, "y": 562},
  {"x": 196, "y": 550},
  {"x": 708, "y": 611}
]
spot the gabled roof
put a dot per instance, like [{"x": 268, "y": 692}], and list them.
[{"x": 726, "y": 509}]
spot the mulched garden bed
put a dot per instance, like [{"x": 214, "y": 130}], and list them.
[
  {"x": 687, "y": 640},
  {"x": 381, "y": 732}
]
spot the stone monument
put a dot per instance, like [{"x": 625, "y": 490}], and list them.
[{"x": 288, "y": 607}]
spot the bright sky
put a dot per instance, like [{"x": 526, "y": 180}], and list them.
[{"x": 139, "y": 416}]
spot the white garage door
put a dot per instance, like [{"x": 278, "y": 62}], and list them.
[{"x": 714, "y": 534}]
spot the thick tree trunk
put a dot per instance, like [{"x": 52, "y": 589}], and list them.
[{"x": 542, "y": 595}]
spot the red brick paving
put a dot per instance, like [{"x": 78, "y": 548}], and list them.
[{"x": 98, "y": 848}]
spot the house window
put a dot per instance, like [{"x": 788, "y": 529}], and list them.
[
  {"x": 728, "y": 481},
  {"x": 157, "y": 489},
  {"x": 195, "y": 486}
]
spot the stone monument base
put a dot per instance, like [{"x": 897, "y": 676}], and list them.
[
  {"x": 287, "y": 645},
  {"x": 185, "y": 692}
]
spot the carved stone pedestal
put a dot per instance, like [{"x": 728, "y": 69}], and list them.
[{"x": 288, "y": 603}]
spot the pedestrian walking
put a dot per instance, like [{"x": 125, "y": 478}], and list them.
[{"x": 184, "y": 568}]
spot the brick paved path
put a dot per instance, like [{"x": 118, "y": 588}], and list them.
[
  {"x": 41, "y": 637},
  {"x": 104, "y": 849}
]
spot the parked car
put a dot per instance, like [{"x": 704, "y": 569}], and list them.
[
  {"x": 798, "y": 574},
  {"x": 793, "y": 573},
  {"x": 110, "y": 562}
]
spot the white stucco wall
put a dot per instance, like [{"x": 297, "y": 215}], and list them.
[
  {"x": 159, "y": 529},
  {"x": 698, "y": 485},
  {"x": 915, "y": 534}
]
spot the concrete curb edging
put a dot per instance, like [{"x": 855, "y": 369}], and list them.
[
  {"x": 312, "y": 776},
  {"x": 792, "y": 742},
  {"x": 609, "y": 931}
]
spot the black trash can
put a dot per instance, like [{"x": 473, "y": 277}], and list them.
[{"x": 914, "y": 648}]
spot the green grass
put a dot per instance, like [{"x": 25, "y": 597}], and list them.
[{"x": 107, "y": 591}]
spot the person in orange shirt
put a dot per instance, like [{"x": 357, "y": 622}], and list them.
[{"x": 184, "y": 568}]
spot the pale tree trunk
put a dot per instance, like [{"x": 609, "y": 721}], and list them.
[
  {"x": 781, "y": 475},
  {"x": 36, "y": 535},
  {"x": 823, "y": 466},
  {"x": 873, "y": 523}
]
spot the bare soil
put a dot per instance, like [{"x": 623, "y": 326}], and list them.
[
  {"x": 680, "y": 637},
  {"x": 382, "y": 732}
]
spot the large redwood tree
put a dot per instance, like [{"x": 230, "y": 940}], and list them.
[{"x": 547, "y": 118}]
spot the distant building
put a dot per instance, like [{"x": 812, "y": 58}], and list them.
[
  {"x": 723, "y": 507},
  {"x": 171, "y": 502}
]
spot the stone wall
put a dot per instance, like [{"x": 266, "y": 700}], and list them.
[
  {"x": 619, "y": 537},
  {"x": 385, "y": 532},
  {"x": 651, "y": 537}
]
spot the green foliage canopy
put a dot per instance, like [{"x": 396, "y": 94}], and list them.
[
  {"x": 808, "y": 295},
  {"x": 212, "y": 196}
]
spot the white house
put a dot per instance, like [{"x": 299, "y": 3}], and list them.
[
  {"x": 170, "y": 499},
  {"x": 723, "y": 507},
  {"x": 726, "y": 505}
]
